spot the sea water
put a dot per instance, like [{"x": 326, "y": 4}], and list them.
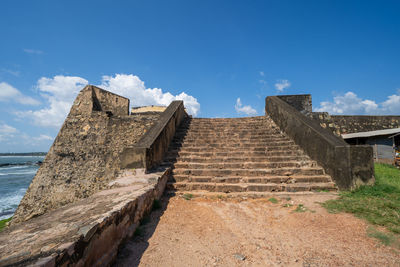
[{"x": 16, "y": 173}]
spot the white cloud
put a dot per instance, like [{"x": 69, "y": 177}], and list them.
[
  {"x": 33, "y": 51},
  {"x": 9, "y": 93},
  {"x": 60, "y": 92},
  {"x": 131, "y": 86},
  {"x": 351, "y": 104},
  {"x": 280, "y": 85},
  {"x": 262, "y": 73},
  {"x": 6, "y": 131},
  {"x": 43, "y": 137},
  {"x": 248, "y": 110}
]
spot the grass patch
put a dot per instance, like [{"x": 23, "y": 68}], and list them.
[
  {"x": 4, "y": 222},
  {"x": 300, "y": 208},
  {"x": 187, "y": 196},
  {"x": 322, "y": 190},
  {"x": 287, "y": 205},
  {"x": 273, "y": 200},
  {"x": 388, "y": 239},
  {"x": 378, "y": 204}
]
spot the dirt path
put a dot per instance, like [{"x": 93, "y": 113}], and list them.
[{"x": 254, "y": 232}]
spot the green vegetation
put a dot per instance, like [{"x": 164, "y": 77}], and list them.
[
  {"x": 378, "y": 204},
  {"x": 187, "y": 196},
  {"x": 322, "y": 190},
  {"x": 4, "y": 222},
  {"x": 273, "y": 200},
  {"x": 388, "y": 239},
  {"x": 300, "y": 208}
]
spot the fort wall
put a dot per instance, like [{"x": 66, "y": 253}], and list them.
[
  {"x": 345, "y": 124},
  {"x": 349, "y": 166},
  {"x": 84, "y": 157}
]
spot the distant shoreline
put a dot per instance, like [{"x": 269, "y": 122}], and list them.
[{"x": 24, "y": 154}]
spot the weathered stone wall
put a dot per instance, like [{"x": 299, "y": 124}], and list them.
[
  {"x": 344, "y": 124},
  {"x": 349, "y": 166},
  {"x": 87, "y": 232},
  {"x": 84, "y": 157},
  {"x": 149, "y": 151},
  {"x": 302, "y": 103}
]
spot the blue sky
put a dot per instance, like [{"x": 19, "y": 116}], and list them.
[{"x": 221, "y": 57}]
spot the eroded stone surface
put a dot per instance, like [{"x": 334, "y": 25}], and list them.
[
  {"x": 84, "y": 157},
  {"x": 87, "y": 232}
]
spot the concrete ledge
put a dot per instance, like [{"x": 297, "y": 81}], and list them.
[
  {"x": 85, "y": 233},
  {"x": 349, "y": 166},
  {"x": 151, "y": 148}
]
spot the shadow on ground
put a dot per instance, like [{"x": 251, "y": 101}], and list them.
[{"x": 131, "y": 252}]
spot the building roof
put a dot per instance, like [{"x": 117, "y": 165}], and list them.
[{"x": 371, "y": 133}]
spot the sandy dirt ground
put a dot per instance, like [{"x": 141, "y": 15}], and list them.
[{"x": 254, "y": 232}]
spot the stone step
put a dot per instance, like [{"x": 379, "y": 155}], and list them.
[
  {"x": 231, "y": 124},
  {"x": 237, "y": 146},
  {"x": 270, "y": 153},
  {"x": 237, "y": 187},
  {"x": 243, "y": 165},
  {"x": 209, "y": 159},
  {"x": 240, "y": 155},
  {"x": 236, "y": 149},
  {"x": 247, "y": 195},
  {"x": 249, "y": 172},
  {"x": 260, "y": 180},
  {"x": 247, "y": 128},
  {"x": 202, "y": 141},
  {"x": 247, "y": 137},
  {"x": 231, "y": 133},
  {"x": 231, "y": 142}
]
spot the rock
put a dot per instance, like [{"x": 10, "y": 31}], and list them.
[{"x": 240, "y": 257}]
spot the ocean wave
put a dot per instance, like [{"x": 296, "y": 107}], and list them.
[
  {"x": 27, "y": 163},
  {"x": 19, "y": 173},
  {"x": 5, "y": 157},
  {"x": 9, "y": 203},
  {"x": 15, "y": 167}
]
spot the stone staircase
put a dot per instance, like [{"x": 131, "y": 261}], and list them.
[{"x": 240, "y": 155}]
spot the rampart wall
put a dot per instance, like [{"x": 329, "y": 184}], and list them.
[
  {"x": 344, "y": 124},
  {"x": 349, "y": 166},
  {"x": 89, "y": 202},
  {"x": 84, "y": 157}
]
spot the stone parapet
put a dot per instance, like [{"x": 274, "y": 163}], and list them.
[
  {"x": 87, "y": 232},
  {"x": 151, "y": 148},
  {"x": 345, "y": 124},
  {"x": 349, "y": 166}
]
